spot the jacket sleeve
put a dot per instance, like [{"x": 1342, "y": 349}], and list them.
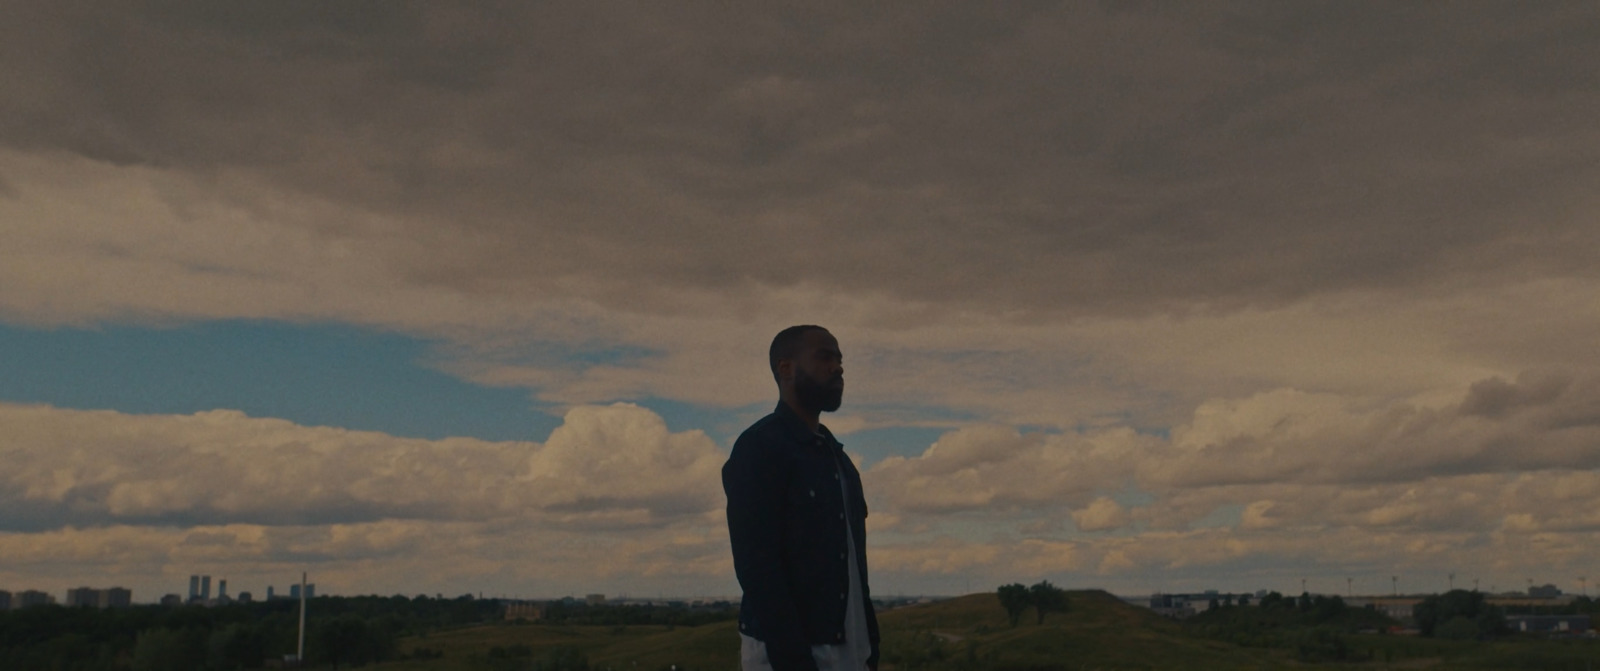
[{"x": 755, "y": 481}]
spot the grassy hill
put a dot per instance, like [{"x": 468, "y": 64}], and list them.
[
  {"x": 971, "y": 633},
  {"x": 1098, "y": 632}
]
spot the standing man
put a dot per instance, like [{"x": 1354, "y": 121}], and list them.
[{"x": 797, "y": 520}]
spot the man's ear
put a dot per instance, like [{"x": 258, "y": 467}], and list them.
[{"x": 785, "y": 370}]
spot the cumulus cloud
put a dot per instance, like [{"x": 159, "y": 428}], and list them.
[
  {"x": 605, "y": 467},
  {"x": 1100, "y": 515},
  {"x": 1272, "y": 476},
  {"x": 993, "y": 467},
  {"x": 1540, "y": 422}
]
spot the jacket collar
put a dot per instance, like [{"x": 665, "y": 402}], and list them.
[{"x": 798, "y": 429}]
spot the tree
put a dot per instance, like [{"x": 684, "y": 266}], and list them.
[
  {"x": 1047, "y": 598},
  {"x": 1015, "y": 598},
  {"x": 161, "y": 649},
  {"x": 1435, "y": 611},
  {"x": 236, "y": 646},
  {"x": 350, "y": 639}
]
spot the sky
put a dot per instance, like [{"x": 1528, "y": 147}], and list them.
[{"x": 475, "y": 297}]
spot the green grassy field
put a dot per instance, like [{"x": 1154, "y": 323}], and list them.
[{"x": 971, "y": 633}]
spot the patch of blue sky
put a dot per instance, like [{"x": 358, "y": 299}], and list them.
[
  {"x": 1224, "y": 516},
  {"x": 312, "y": 374},
  {"x": 553, "y": 354},
  {"x": 1132, "y": 497},
  {"x": 875, "y": 445}
]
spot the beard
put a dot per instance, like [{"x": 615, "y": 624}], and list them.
[{"x": 817, "y": 395}]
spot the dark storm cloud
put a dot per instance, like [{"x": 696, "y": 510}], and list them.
[{"x": 1025, "y": 159}]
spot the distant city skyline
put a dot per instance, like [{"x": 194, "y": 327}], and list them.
[
  {"x": 474, "y": 298},
  {"x": 1534, "y": 589}
]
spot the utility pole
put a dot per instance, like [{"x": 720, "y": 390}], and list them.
[
  {"x": 1349, "y": 587},
  {"x": 1303, "y": 586},
  {"x": 1395, "y": 581}
]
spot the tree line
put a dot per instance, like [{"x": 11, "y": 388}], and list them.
[{"x": 339, "y": 631}]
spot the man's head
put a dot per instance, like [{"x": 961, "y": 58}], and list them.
[{"x": 808, "y": 367}]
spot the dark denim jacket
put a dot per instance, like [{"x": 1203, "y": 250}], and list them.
[{"x": 786, "y": 521}]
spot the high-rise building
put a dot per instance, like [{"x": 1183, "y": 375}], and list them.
[
  {"x": 194, "y": 588},
  {"x": 270, "y": 595},
  {"x": 222, "y": 588},
  {"x": 116, "y": 597},
  {"x": 5, "y": 600},
  {"x": 205, "y": 588},
  {"x": 83, "y": 596},
  {"x": 311, "y": 591},
  {"x": 31, "y": 597}
]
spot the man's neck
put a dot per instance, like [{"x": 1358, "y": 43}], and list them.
[{"x": 806, "y": 415}]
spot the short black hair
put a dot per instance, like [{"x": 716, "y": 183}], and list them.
[{"x": 785, "y": 343}]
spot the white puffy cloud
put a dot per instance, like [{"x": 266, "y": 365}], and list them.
[
  {"x": 611, "y": 496},
  {"x": 611, "y": 466},
  {"x": 994, "y": 467},
  {"x": 1101, "y": 514},
  {"x": 1264, "y": 487},
  {"x": 1542, "y": 421}
]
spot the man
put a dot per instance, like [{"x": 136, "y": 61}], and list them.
[{"x": 797, "y": 520}]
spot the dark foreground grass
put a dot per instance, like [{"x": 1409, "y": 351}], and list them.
[{"x": 972, "y": 633}]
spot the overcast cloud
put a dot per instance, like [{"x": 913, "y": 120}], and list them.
[{"x": 1196, "y": 292}]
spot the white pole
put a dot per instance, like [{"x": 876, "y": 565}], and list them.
[{"x": 300, "y": 654}]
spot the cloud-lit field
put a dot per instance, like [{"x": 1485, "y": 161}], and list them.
[{"x": 475, "y": 298}]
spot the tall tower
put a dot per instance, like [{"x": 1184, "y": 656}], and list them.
[
  {"x": 205, "y": 588},
  {"x": 300, "y": 648},
  {"x": 222, "y": 588},
  {"x": 194, "y": 587}
]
